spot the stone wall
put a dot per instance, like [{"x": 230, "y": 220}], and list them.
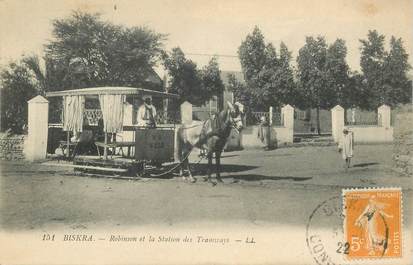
[
  {"x": 403, "y": 141},
  {"x": 279, "y": 136},
  {"x": 382, "y": 132},
  {"x": 372, "y": 134},
  {"x": 11, "y": 147}
]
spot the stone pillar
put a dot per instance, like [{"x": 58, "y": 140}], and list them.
[
  {"x": 38, "y": 119},
  {"x": 384, "y": 115},
  {"x": 287, "y": 115},
  {"x": 186, "y": 113},
  {"x": 337, "y": 122}
]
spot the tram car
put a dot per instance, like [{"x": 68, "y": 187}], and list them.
[{"x": 105, "y": 120}]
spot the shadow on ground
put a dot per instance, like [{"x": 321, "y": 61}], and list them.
[
  {"x": 202, "y": 170},
  {"x": 225, "y": 156},
  {"x": 365, "y": 164},
  {"x": 252, "y": 177}
]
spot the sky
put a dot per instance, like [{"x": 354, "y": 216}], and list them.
[{"x": 210, "y": 27}]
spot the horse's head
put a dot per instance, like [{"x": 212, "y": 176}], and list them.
[{"x": 236, "y": 112}]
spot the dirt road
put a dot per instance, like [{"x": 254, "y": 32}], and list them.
[
  {"x": 280, "y": 186},
  {"x": 268, "y": 198}
]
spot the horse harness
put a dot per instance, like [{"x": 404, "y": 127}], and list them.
[{"x": 216, "y": 126}]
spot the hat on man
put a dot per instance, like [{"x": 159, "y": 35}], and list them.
[
  {"x": 144, "y": 97},
  {"x": 147, "y": 99}
]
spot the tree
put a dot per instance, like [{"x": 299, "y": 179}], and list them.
[
  {"x": 259, "y": 65},
  {"x": 372, "y": 60},
  {"x": 49, "y": 78},
  {"x": 185, "y": 80},
  {"x": 337, "y": 76},
  {"x": 269, "y": 77},
  {"x": 356, "y": 94},
  {"x": 385, "y": 73},
  {"x": 87, "y": 51},
  {"x": 253, "y": 55},
  {"x": 239, "y": 90},
  {"x": 311, "y": 63},
  {"x": 397, "y": 87},
  {"x": 18, "y": 85},
  {"x": 191, "y": 84},
  {"x": 211, "y": 81},
  {"x": 285, "y": 89}
]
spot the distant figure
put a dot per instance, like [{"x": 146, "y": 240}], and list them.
[
  {"x": 147, "y": 113},
  {"x": 345, "y": 146},
  {"x": 264, "y": 133}
]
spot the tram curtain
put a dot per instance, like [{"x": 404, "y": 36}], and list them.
[
  {"x": 73, "y": 107},
  {"x": 112, "y": 112}
]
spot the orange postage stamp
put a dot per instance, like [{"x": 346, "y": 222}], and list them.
[{"x": 373, "y": 222}]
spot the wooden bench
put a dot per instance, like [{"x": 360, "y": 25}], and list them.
[{"x": 115, "y": 145}]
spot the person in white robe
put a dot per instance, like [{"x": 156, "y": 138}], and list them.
[
  {"x": 346, "y": 146},
  {"x": 146, "y": 113},
  {"x": 264, "y": 133}
]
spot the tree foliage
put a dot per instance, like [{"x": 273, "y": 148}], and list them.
[
  {"x": 269, "y": 77},
  {"x": 337, "y": 76},
  {"x": 311, "y": 64},
  {"x": 258, "y": 62},
  {"x": 211, "y": 81},
  {"x": 324, "y": 74},
  {"x": 397, "y": 87},
  {"x": 87, "y": 52},
  {"x": 286, "y": 91},
  {"x": 240, "y": 91},
  {"x": 253, "y": 54},
  {"x": 385, "y": 72},
  {"x": 190, "y": 83},
  {"x": 372, "y": 60},
  {"x": 18, "y": 85}
]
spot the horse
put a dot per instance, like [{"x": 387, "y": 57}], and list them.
[{"x": 210, "y": 135}]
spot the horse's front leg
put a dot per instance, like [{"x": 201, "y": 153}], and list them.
[
  {"x": 181, "y": 168},
  {"x": 209, "y": 169},
  {"x": 191, "y": 178},
  {"x": 218, "y": 166}
]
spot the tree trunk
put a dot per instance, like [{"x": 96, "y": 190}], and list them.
[{"x": 318, "y": 121}]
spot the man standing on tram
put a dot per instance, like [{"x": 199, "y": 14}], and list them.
[
  {"x": 147, "y": 113},
  {"x": 146, "y": 118}
]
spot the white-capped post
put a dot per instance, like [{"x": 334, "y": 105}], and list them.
[
  {"x": 38, "y": 118},
  {"x": 287, "y": 116},
  {"x": 384, "y": 113},
  {"x": 186, "y": 113},
  {"x": 337, "y": 122}
]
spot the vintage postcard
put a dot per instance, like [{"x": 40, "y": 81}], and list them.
[{"x": 206, "y": 132}]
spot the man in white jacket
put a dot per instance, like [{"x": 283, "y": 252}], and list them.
[
  {"x": 147, "y": 113},
  {"x": 346, "y": 146}
]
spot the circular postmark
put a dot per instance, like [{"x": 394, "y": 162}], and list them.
[{"x": 324, "y": 233}]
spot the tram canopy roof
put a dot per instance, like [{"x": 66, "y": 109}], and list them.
[{"x": 95, "y": 91}]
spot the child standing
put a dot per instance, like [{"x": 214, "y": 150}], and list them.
[{"x": 345, "y": 146}]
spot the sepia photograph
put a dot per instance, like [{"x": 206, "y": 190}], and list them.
[{"x": 206, "y": 132}]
